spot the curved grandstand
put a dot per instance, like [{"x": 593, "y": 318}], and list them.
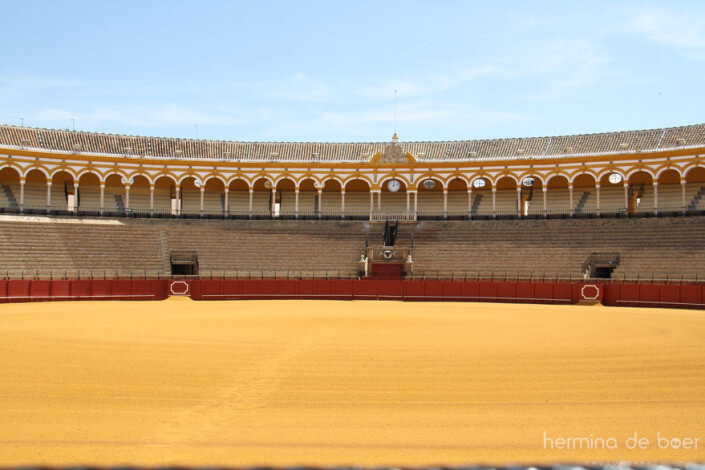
[
  {"x": 439, "y": 199},
  {"x": 627, "y": 173}
]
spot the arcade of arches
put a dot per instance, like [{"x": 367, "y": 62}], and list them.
[{"x": 636, "y": 191}]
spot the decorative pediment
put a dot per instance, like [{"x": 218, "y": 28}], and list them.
[{"x": 393, "y": 153}]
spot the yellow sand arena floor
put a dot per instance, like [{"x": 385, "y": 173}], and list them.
[{"x": 311, "y": 382}]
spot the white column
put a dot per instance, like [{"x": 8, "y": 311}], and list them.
[
  {"x": 626, "y": 196},
  {"x": 683, "y": 195},
  {"x": 296, "y": 203},
  {"x": 470, "y": 202},
  {"x": 416, "y": 204},
  {"x": 372, "y": 202},
  {"x": 408, "y": 202},
  {"x": 272, "y": 209},
  {"x": 519, "y": 211},
  {"x": 127, "y": 198},
  {"x": 445, "y": 203},
  {"x": 342, "y": 203},
  {"x": 48, "y": 196},
  {"x": 75, "y": 196},
  {"x": 379, "y": 201},
  {"x": 494, "y": 201},
  {"x": 151, "y": 199},
  {"x": 21, "y": 194},
  {"x": 413, "y": 206},
  {"x": 250, "y": 206},
  {"x": 203, "y": 192},
  {"x": 102, "y": 197},
  {"x": 226, "y": 202},
  {"x": 570, "y": 198},
  {"x": 178, "y": 200},
  {"x": 320, "y": 202},
  {"x": 655, "y": 197},
  {"x": 597, "y": 191},
  {"x": 545, "y": 201}
]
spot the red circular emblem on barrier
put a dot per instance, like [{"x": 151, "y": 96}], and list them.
[
  {"x": 179, "y": 288},
  {"x": 590, "y": 292}
]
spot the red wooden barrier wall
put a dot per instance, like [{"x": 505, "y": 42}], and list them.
[
  {"x": 40, "y": 290},
  {"x": 655, "y": 295},
  {"x": 383, "y": 289},
  {"x": 616, "y": 294}
]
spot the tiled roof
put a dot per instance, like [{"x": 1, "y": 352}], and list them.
[{"x": 464, "y": 150}]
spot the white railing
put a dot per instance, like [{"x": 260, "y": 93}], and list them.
[{"x": 409, "y": 216}]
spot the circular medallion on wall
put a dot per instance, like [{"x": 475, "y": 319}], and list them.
[
  {"x": 615, "y": 178},
  {"x": 479, "y": 183}
]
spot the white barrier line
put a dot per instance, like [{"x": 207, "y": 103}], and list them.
[
  {"x": 388, "y": 296},
  {"x": 485, "y": 298},
  {"x": 273, "y": 295},
  {"x": 55, "y": 297},
  {"x": 658, "y": 302}
]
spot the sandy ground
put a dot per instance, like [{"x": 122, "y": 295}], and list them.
[{"x": 374, "y": 383}]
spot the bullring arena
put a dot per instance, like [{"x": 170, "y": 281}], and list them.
[{"x": 495, "y": 302}]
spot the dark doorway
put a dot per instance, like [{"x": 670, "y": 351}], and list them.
[
  {"x": 184, "y": 263},
  {"x": 602, "y": 272}
]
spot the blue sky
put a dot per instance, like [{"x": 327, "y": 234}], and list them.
[{"x": 327, "y": 71}]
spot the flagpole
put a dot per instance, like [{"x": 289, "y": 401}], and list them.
[{"x": 395, "y": 111}]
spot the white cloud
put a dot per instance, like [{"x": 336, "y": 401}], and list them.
[
  {"x": 431, "y": 81},
  {"x": 569, "y": 66},
  {"x": 421, "y": 113},
  {"x": 684, "y": 31},
  {"x": 136, "y": 116},
  {"x": 294, "y": 87}
]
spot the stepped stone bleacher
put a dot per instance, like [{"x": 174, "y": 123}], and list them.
[
  {"x": 57, "y": 246},
  {"x": 655, "y": 247},
  {"x": 265, "y": 246},
  {"x": 662, "y": 248},
  {"x": 122, "y": 246}
]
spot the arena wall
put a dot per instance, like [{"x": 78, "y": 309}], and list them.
[{"x": 686, "y": 295}]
